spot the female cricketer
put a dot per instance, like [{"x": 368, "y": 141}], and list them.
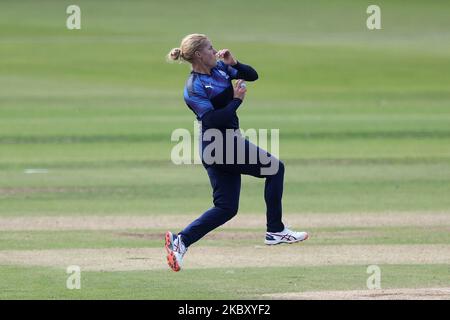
[{"x": 211, "y": 96}]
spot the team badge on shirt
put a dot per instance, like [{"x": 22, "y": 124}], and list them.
[{"x": 223, "y": 73}]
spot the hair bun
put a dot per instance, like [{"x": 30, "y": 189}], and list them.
[{"x": 175, "y": 53}]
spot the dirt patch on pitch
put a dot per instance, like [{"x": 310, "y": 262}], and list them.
[
  {"x": 119, "y": 259},
  {"x": 174, "y": 222},
  {"x": 385, "y": 294}
]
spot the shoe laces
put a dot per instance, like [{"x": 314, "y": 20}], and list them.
[
  {"x": 179, "y": 246},
  {"x": 289, "y": 231}
]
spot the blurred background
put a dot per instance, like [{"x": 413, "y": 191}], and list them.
[
  {"x": 86, "y": 118},
  {"x": 364, "y": 115}
]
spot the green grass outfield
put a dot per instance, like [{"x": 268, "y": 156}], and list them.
[
  {"x": 364, "y": 119},
  {"x": 216, "y": 283}
]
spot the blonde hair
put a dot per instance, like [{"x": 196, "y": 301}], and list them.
[{"x": 189, "y": 44}]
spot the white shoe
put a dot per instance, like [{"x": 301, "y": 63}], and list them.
[
  {"x": 175, "y": 251},
  {"x": 285, "y": 236}
]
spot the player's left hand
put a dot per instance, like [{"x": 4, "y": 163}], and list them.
[{"x": 226, "y": 56}]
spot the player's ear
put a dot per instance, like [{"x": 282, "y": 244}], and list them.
[{"x": 198, "y": 54}]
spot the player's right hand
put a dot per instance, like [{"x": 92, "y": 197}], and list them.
[{"x": 239, "y": 92}]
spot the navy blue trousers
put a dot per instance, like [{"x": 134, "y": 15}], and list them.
[{"x": 226, "y": 183}]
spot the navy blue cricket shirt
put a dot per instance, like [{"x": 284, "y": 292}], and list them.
[{"x": 210, "y": 97}]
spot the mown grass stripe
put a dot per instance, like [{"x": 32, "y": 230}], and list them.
[
  {"x": 422, "y": 134},
  {"x": 107, "y": 164}
]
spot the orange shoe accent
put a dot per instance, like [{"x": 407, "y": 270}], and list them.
[
  {"x": 171, "y": 258},
  {"x": 167, "y": 244},
  {"x": 172, "y": 262}
]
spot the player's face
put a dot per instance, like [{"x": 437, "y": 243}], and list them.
[{"x": 208, "y": 55}]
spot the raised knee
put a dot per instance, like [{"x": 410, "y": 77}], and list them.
[{"x": 280, "y": 168}]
